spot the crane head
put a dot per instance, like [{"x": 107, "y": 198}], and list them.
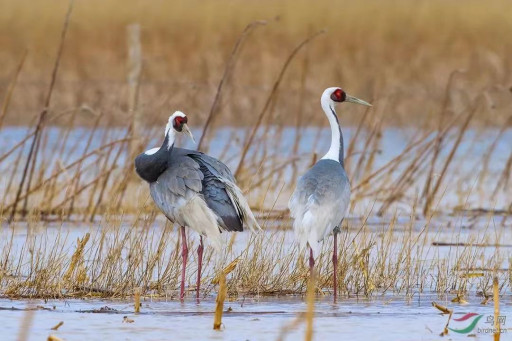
[
  {"x": 178, "y": 121},
  {"x": 338, "y": 95}
]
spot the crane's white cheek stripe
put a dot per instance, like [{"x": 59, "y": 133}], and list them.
[{"x": 151, "y": 151}]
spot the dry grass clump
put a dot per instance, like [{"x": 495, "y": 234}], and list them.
[{"x": 114, "y": 259}]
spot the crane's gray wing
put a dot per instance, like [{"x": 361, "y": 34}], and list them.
[
  {"x": 181, "y": 181},
  {"x": 178, "y": 194},
  {"x": 319, "y": 202},
  {"x": 217, "y": 198},
  {"x": 223, "y": 195},
  {"x": 217, "y": 168}
]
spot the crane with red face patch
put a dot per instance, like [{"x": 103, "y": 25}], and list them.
[
  {"x": 322, "y": 195},
  {"x": 194, "y": 190}
]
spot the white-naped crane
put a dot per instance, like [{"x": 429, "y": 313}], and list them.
[
  {"x": 321, "y": 198},
  {"x": 194, "y": 190}
]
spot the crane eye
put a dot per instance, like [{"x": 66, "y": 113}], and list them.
[
  {"x": 338, "y": 95},
  {"x": 179, "y": 122}
]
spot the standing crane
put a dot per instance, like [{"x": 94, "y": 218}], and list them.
[
  {"x": 194, "y": 190},
  {"x": 321, "y": 198}
]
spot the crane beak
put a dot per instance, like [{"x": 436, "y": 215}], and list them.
[
  {"x": 187, "y": 131},
  {"x": 357, "y": 101}
]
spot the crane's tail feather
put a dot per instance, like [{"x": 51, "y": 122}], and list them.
[
  {"x": 307, "y": 233},
  {"x": 199, "y": 217},
  {"x": 241, "y": 206}
]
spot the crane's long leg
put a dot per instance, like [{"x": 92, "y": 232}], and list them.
[
  {"x": 311, "y": 261},
  {"x": 199, "y": 265},
  {"x": 335, "y": 263},
  {"x": 184, "y": 255}
]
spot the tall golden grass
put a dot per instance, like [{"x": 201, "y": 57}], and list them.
[{"x": 126, "y": 256}]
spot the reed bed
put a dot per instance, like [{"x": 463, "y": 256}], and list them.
[
  {"x": 115, "y": 259},
  {"x": 255, "y": 85}
]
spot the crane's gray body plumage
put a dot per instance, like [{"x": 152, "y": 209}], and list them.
[
  {"x": 322, "y": 196},
  {"x": 319, "y": 202},
  {"x": 195, "y": 190}
]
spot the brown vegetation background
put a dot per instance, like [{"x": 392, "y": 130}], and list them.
[{"x": 399, "y": 54}]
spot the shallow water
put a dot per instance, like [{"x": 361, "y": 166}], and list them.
[
  {"x": 384, "y": 318},
  {"x": 464, "y": 172},
  {"x": 389, "y": 317}
]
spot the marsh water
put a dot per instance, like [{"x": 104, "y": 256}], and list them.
[
  {"x": 226, "y": 143},
  {"x": 382, "y": 318},
  {"x": 387, "y": 316}
]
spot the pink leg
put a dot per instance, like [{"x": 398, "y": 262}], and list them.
[
  {"x": 335, "y": 263},
  {"x": 199, "y": 266},
  {"x": 311, "y": 261},
  {"x": 184, "y": 255}
]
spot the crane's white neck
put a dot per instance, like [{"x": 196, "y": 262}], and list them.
[
  {"x": 170, "y": 136},
  {"x": 336, "y": 150}
]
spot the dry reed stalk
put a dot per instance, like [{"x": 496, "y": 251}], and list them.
[
  {"x": 26, "y": 324},
  {"x": 37, "y": 138},
  {"x": 43, "y": 113},
  {"x": 300, "y": 111},
  {"x": 273, "y": 171},
  {"x": 227, "y": 270},
  {"x": 74, "y": 163},
  {"x": 77, "y": 256},
  {"x": 488, "y": 153},
  {"x": 373, "y": 151},
  {"x": 77, "y": 175},
  {"x": 219, "y": 307},
  {"x": 431, "y": 195},
  {"x": 353, "y": 141},
  {"x": 392, "y": 162},
  {"x": 229, "y": 67},
  {"x": 105, "y": 181},
  {"x": 79, "y": 190},
  {"x": 504, "y": 177},
  {"x": 399, "y": 186},
  {"x": 102, "y": 162},
  {"x": 310, "y": 299},
  {"x": 249, "y": 141},
  {"x": 496, "y": 299},
  {"x": 444, "y": 310},
  {"x": 439, "y": 137},
  {"x": 16, "y": 146},
  {"x": 288, "y": 327},
  {"x": 137, "y": 303},
  {"x": 10, "y": 89},
  {"x": 11, "y": 179},
  {"x": 134, "y": 70},
  {"x": 53, "y": 338},
  {"x": 359, "y": 167},
  {"x": 57, "y": 326}
]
